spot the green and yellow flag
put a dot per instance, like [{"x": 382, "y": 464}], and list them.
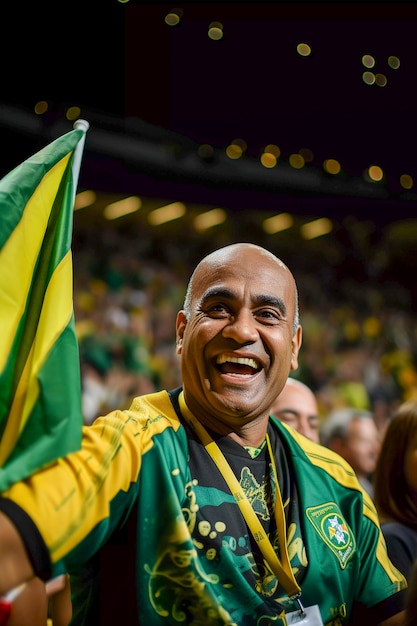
[{"x": 40, "y": 381}]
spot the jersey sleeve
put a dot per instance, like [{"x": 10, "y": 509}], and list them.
[{"x": 87, "y": 492}]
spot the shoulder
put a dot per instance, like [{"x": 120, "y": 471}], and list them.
[
  {"x": 148, "y": 415},
  {"x": 315, "y": 453},
  {"x": 152, "y": 409},
  {"x": 315, "y": 462}
]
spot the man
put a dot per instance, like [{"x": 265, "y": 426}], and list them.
[
  {"x": 296, "y": 405},
  {"x": 353, "y": 434},
  {"x": 229, "y": 514}
]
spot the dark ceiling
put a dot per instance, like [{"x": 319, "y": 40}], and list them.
[{"x": 153, "y": 94}]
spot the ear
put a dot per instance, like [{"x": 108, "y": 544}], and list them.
[
  {"x": 180, "y": 327},
  {"x": 295, "y": 346}
]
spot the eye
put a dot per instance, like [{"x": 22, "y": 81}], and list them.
[
  {"x": 216, "y": 310},
  {"x": 288, "y": 418},
  {"x": 314, "y": 422},
  {"x": 268, "y": 316}
]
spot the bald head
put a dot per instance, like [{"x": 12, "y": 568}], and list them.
[{"x": 236, "y": 253}]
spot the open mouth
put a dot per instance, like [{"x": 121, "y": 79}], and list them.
[{"x": 241, "y": 366}]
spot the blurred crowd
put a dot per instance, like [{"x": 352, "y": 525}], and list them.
[
  {"x": 355, "y": 390},
  {"x": 359, "y": 341}
]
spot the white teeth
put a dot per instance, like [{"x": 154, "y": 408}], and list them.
[{"x": 234, "y": 359}]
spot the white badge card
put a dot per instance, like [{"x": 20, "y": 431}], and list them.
[{"x": 310, "y": 616}]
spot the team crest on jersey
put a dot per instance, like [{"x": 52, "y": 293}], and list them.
[{"x": 332, "y": 527}]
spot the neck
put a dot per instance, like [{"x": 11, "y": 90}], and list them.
[{"x": 250, "y": 434}]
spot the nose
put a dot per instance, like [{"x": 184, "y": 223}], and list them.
[{"x": 242, "y": 328}]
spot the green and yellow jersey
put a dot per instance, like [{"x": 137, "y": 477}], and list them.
[{"x": 141, "y": 512}]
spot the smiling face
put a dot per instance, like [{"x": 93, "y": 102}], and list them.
[{"x": 237, "y": 345}]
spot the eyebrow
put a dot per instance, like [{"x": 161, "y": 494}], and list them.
[{"x": 260, "y": 300}]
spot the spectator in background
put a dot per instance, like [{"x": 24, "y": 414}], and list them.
[
  {"x": 395, "y": 487},
  {"x": 296, "y": 405},
  {"x": 353, "y": 434}
]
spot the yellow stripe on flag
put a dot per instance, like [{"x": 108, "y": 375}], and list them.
[
  {"x": 55, "y": 317},
  {"x": 20, "y": 252}
]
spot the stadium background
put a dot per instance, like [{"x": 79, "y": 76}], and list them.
[{"x": 191, "y": 112}]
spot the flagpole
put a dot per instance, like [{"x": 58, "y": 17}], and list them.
[{"x": 78, "y": 152}]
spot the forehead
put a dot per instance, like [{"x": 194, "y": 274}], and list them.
[
  {"x": 297, "y": 397},
  {"x": 244, "y": 271},
  {"x": 363, "y": 426}
]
